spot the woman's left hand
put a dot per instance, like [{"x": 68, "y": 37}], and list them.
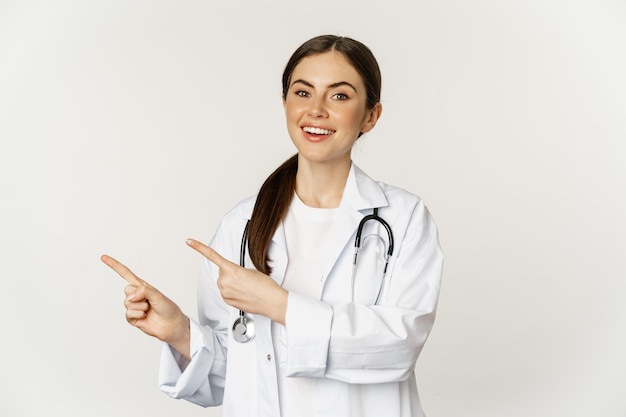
[{"x": 246, "y": 289}]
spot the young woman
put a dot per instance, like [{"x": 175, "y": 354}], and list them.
[{"x": 320, "y": 337}]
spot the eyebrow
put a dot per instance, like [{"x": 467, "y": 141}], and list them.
[{"x": 333, "y": 85}]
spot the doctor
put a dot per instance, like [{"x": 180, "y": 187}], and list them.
[{"x": 323, "y": 345}]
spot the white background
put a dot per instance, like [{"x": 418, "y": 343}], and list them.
[{"x": 128, "y": 126}]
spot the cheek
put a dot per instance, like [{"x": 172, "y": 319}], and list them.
[
  {"x": 292, "y": 113},
  {"x": 292, "y": 120},
  {"x": 352, "y": 117}
]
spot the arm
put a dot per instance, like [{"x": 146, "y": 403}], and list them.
[
  {"x": 372, "y": 344},
  {"x": 222, "y": 285},
  {"x": 185, "y": 343},
  {"x": 200, "y": 377}
]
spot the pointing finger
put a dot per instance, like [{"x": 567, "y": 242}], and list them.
[
  {"x": 122, "y": 270},
  {"x": 210, "y": 254}
]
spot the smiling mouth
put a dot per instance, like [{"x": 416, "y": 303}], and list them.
[{"x": 317, "y": 130}]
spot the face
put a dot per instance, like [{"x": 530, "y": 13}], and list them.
[{"x": 325, "y": 108}]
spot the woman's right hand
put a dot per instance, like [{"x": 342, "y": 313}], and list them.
[{"x": 151, "y": 311}]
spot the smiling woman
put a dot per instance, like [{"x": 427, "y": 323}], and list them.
[
  {"x": 327, "y": 342},
  {"x": 326, "y": 109}
]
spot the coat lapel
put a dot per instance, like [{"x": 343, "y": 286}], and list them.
[
  {"x": 278, "y": 254},
  {"x": 361, "y": 195}
]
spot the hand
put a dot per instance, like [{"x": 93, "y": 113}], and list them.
[
  {"x": 150, "y": 311},
  {"x": 246, "y": 289}
]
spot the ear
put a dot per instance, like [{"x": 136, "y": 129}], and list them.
[{"x": 371, "y": 117}]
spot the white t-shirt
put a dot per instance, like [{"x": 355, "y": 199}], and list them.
[{"x": 307, "y": 232}]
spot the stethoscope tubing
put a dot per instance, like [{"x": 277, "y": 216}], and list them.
[
  {"x": 243, "y": 326},
  {"x": 376, "y": 217},
  {"x": 357, "y": 246}
]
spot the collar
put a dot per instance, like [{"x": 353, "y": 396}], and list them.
[{"x": 361, "y": 193}]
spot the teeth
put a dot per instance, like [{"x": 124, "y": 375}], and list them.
[{"x": 317, "y": 130}]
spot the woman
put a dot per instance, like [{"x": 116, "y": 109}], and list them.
[{"x": 327, "y": 343}]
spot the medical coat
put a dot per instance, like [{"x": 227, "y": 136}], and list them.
[{"x": 361, "y": 356}]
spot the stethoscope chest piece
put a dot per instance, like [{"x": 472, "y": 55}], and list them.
[
  {"x": 243, "y": 329},
  {"x": 243, "y": 326}
]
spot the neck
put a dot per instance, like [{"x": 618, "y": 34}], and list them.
[{"x": 321, "y": 185}]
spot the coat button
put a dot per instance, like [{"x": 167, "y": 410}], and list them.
[{"x": 269, "y": 357}]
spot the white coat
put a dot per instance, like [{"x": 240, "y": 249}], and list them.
[{"x": 361, "y": 356}]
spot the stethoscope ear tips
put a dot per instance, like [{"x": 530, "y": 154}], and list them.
[{"x": 243, "y": 329}]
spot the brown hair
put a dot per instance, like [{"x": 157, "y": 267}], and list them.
[{"x": 277, "y": 191}]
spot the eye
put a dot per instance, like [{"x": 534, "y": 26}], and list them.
[
  {"x": 301, "y": 93},
  {"x": 340, "y": 96}
]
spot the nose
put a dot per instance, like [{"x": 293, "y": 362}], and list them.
[{"x": 318, "y": 107}]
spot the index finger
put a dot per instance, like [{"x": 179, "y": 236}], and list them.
[
  {"x": 122, "y": 270},
  {"x": 210, "y": 254}
]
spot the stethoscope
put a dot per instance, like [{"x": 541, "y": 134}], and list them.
[{"x": 243, "y": 326}]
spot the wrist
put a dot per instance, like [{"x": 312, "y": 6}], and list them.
[
  {"x": 180, "y": 331},
  {"x": 181, "y": 338},
  {"x": 278, "y": 306}
]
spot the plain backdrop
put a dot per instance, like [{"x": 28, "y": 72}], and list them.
[{"x": 127, "y": 126}]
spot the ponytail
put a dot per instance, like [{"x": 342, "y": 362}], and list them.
[
  {"x": 277, "y": 191},
  {"x": 270, "y": 208}
]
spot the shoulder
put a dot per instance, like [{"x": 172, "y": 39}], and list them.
[
  {"x": 407, "y": 209},
  {"x": 396, "y": 197},
  {"x": 228, "y": 235},
  {"x": 399, "y": 196},
  {"x": 242, "y": 210},
  {"x": 237, "y": 217},
  {"x": 403, "y": 209}
]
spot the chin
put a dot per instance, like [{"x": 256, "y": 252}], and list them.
[{"x": 321, "y": 157}]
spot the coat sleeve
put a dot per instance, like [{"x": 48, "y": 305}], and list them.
[
  {"x": 201, "y": 380},
  {"x": 359, "y": 343}
]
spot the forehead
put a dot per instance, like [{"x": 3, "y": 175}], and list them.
[{"x": 326, "y": 68}]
